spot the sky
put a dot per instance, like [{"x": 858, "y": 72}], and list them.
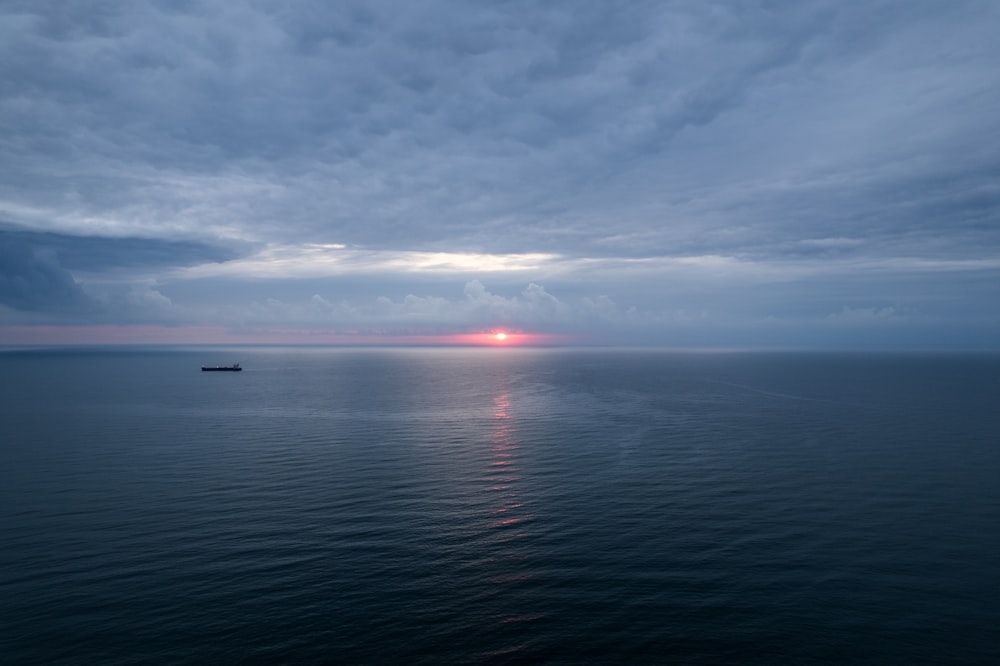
[{"x": 731, "y": 173}]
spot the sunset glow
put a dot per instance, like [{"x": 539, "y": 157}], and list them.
[{"x": 187, "y": 335}]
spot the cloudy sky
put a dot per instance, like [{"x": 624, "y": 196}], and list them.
[{"x": 736, "y": 173}]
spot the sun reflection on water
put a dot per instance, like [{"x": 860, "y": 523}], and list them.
[
  {"x": 509, "y": 520},
  {"x": 503, "y": 458}
]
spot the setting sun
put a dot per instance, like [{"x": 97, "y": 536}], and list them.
[{"x": 501, "y": 336}]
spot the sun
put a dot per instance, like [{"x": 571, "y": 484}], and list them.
[{"x": 501, "y": 336}]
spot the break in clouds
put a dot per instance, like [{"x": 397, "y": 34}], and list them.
[{"x": 729, "y": 173}]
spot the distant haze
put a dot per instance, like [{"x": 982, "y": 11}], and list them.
[{"x": 812, "y": 174}]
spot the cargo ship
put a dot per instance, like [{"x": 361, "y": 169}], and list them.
[{"x": 235, "y": 367}]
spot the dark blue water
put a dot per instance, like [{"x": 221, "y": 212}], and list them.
[{"x": 499, "y": 506}]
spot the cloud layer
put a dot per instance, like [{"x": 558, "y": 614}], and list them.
[{"x": 759, "y": 172}]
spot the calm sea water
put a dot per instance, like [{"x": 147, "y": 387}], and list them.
[{"x": 498, "y": 506}]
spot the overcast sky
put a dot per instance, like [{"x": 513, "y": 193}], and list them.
[{"x": 690, "y": 173}]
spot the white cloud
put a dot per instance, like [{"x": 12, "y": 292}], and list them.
[
  {"x": 532, "y": 308},
  {"x": 854, "y": 316},
  {"x": 331, "y": 259}
]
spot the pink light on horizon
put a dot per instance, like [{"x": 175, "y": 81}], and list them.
[
  {"x": 505, "y": 339},
  {"x": 195, "y": 335}
]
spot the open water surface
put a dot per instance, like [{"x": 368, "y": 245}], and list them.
[{"x": 498, "y": 506}]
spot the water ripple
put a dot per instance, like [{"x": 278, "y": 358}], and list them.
[{"x": 426, "y": 507}]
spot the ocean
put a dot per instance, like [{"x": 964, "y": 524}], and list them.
[{"x": 428, "y": 506}]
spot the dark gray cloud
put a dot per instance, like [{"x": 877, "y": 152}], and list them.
[
  {"x": 32, "y": 280},
  {"x": 98, "y": 254},
  {"x": 689, "y": 157}
]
